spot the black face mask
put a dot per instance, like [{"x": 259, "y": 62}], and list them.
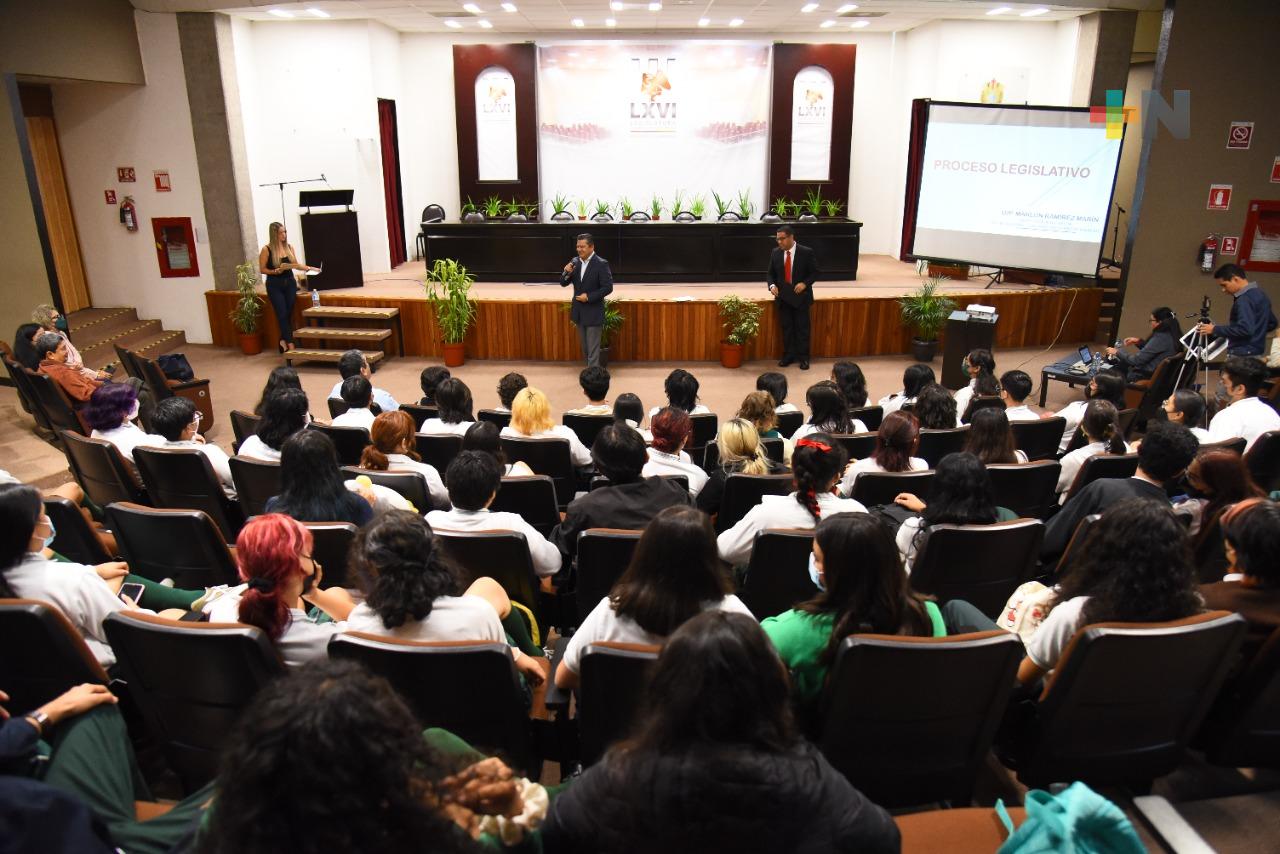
[{"x": 308, "y": 583}]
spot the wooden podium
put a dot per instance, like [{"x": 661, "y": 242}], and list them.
[
  {"x": 964, "y": 334},
  {"x": 331, "y": 238}
]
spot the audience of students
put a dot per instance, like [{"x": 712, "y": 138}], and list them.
[
  {"x": 357, "y": 393},
  {"x": 990, "y": 438},
  {"x": 914, "y": 378},
  {"x": 455, "y": 410},
  {"x": 1186, "y": 407},
  {"x": 1015, "y": 388},
  {"x": 353, "y": 363},
  {"x": 897, "y": 441},
  {"x": 1251, "y": 587},
  {"x": 110, "y": 412},
  {"x": 828, "y": 413},
  {"x": 393, "y": 447},
  {"x": 311, "y": 484},
  {"x": 51, "y": 350},
  {"x": 1216, "y": 480},
  {"x": 281, "y": 377},
  {"x": 775, "y": 384},
  {"x": 757, "y": 407},
  {"x": 1102, "y": 435},
  {"x": 24, "y": 345},
  {"x": 177, "y": 420},
  {"x": 959, "y": 494},
  {"x": 50, "y": 320},
  {"x": 531, "y": 419},
  {"x": 672, "y": 432},
  {"x": 681, "y": 388},
  {"x": 594, "y": 381},
  {"x": 849, "y": 378},
  {"x": 936, "y": 408},
  {"x": 487, "y": 436},
  {"x": 431, "y": 377},
  {"x": 629, "y": 409},
  {"x": 1245, "y": 415},
  {"x": 980, "y": 366},
  {"x": 740, "y": 453},
  {"x": 1104, "y": 385},
  {"x": 508, "y": 387},
  {"x": 284, "y": 415}
]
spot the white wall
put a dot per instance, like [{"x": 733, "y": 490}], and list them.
[{"x": 102, "y": 126}]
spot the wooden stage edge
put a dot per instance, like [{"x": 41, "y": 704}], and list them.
[{"x": 670, "y": 331}]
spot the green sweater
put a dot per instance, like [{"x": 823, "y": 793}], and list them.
[{"x": 801, "y": 637}]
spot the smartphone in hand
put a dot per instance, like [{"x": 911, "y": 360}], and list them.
[{"x": 131, "y": 591}]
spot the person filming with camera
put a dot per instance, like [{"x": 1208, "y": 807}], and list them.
[{"x": 1251, "y": 315}]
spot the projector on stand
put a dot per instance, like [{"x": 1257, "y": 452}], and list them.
[{"x": 985, "y": 313}]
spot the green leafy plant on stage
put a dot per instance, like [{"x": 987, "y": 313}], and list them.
[
  {"x": 559, "y": 204},
  {"x": 518, "y": 208},
  {"x": 625, "y": 207},
  {"x": 493, "y": 207},
  {"x": 613, "y": 319},
  {"x": 722, "y": 205},
  {"x": 813, "y": 201},
  {"x": 926, "y": 310},
  {"x": 582, "y": 208},
  {"x": 677, "y": 202},
  {"x": 833, "y": 207},
  {"x": 468, "y": 207},
  {"x": 781, "y": 206},
  {"x": 655, "y": 206},
  {"x": 745, "y": 206},
  {"x": 448, "y": 287},
  {"x": 602, "y": 207},
  {"x": 741, "y": 318},
  {"x": 698, "y": 206},
  {"x": 249, "y": 303}
]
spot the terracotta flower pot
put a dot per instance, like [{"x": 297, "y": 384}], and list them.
[
  {"x": 250, "y": 343},
  {"x": 455, "y": 355},
  {"x": 730, "y": 355}
]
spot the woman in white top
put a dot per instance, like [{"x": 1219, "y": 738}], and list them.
[
  {"x": 828, "y": 412},
  {"x": 1102, "y": 433},
  {"x": 412, "y": 594},
  {"x": 960, "y": 494},
  {"x": 110, "y": 412},
  {"x": 1135, "y": 567},
  {"x": 1104, "y": 385},
  {"x": 392, "y": 448},
  {"x": 474, "y": 479},
  {"x": 897, "y": 441},
  {"x": 817, "y": 464},
  {"x": 281, "y": 578},
  {"x": 284, "y": 413},
  {"x": 682, "y": 392},
  {"x": 674, "y": 574},
  {"x": 980, "y": 365},
  {"x": 531, "y": 419},
  {"x": 1186, "y": 407},
  {"x": 453, "y": 400},
  {"x": 914, "y": 378},
  {"x": 86, "y": 595},
  {"x": 990, "y": 438},
  {"x": 672, "y": 429}
]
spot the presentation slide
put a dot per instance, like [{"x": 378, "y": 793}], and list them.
[{"x": 1015, "y": 187}]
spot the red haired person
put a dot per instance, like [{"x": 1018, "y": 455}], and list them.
[
  {"x": 672, "y": 431},
  {"x": 281, "y": 579}
]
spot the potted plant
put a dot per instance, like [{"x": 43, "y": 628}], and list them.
[
  {"x": 833, "y": 208},
  {"x": 625, "y": 207},
  {"x": 470, "y": 213},
  {"x": 926, "y": 311},
  {"x": 582, "y": 209},
  {"x": 745, "y": 206},
  {"x": 248, "y": 308},
  {"x": 742, "y": 323},
  {"x": 677, "y": 203},
  {"x": 698, "y": 207},
  {"x": 448, "y": 287},
  {"x": 812, "y": 205},
  {"x": 613, "y": 319},
  {"x": 602, "y": 211},
  {"x": 494, "y": 207},
  {"x": 722, "y": 205},
  {"x": 655, "y": 207},
  {"x": 778, "y": 212},
  {"x": 516, "y": 211}
]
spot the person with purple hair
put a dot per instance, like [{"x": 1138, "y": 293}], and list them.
[{"x": 110, "y": 412}]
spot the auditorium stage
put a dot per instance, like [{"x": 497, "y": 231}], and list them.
[{"x": 679, "y": 322}]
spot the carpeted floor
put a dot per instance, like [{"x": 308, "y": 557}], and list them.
[{"x": 236, "y": 383}]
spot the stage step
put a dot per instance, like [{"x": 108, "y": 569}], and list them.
[
  {"x": 356, "y": 319},
  {"x": 362, "y": 336},
  {"x": 349, "y": 312},
  {"x": 95, "y": 330},
  {"x": 373, "y": 357}
]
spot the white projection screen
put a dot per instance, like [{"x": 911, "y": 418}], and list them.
[
  {"x": 1025, "y": 187},
  {"x": 630, "y": 119}
]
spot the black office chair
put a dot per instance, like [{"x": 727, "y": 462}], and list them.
[
  {"x": 54, "y": 657},
  {"x": 183, "y": 479},
  {"x": 103, "y": 474},
  {"x": 184, "y": 545},
  {"x": 349, "y": 442},
  {"x": 257, "y": 481}
]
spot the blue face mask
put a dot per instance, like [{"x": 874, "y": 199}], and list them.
[
  {"x": 813, "y": 573},
  {"x": 53, "y": 534},
  {"x": 61, "y": 324}
]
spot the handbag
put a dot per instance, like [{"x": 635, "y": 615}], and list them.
[
  {"x": 1026, "y": 609},
  {"x": 175, "y": 367}
]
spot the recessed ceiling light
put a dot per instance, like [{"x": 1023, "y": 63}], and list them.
[
  {"x": 318, "y": 13},
  {"x": 808, "y": 7},
  {"x": 857, "y": 25},
  {"x": 578, "y": 22},
  {"x": 826, "y": 24},
  {"x": 655, "y": 7},
  {"x": 736, "y": 22},
  {"x": 484, "y": 25},
  {"x": 452, "y": 24},
  {"x": 280, "y": 13},
  {"x": 472, "y": 8},
  {"x": 704, "y": 22},
  {"x": 1031, "y": 13},
  {"x": 610, "y": 22},
  {"x": 509, "y": 7},
  {"x": 999, "y": 10},
  {"x": 846, "y": 8}
]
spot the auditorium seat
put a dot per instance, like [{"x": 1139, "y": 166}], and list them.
[
  {"x": 936, "y": 444},
  {"x": 1027, "y": 489},
  {"x": 603, "y": 556},
  {"x": 705, "y": 428},
  {"x": 1039, "y": 440},
  {"x": 744, "y": 491},
  {"x": 1075, "y": 545},
  {"x": 613, "y": 678},
  {"x": 162, "y": 388},
  {"x": 1102, "y": 466},
  {"x": 438, "y": 450},
  {"x": 331, "y": 548},
  {"x": 601, "y": 482},
  {"x": 870, "y": 416},
  {"x": 419, "y": 413},
  {"x": 790, "y": 422},
  {"x": 1124, "y": 700},
  {"x": 54, "y": 657},
  {"x": 858, "y": 446},
  {"x": 337, "y": 406},
  {"x": 22, "y": 385},
  {"x": 243, "y": 425},
  {"x": 1263, "y": 460},
  {"x": 408, "y": 484},
  {"x": 75, "y": 539},
  {"x": 981, "y": 564},
  {"x": 1242, "y": 730},
  {"x": 191, "y": 715},
  {"x": 103, "y": 474},
  {"x": 774, "y": 449},
  {"x": 532, "y": 498},
  {"x": 586, "y": 426},
  {"x": 257, "y": 481},
  {"x": 500, "y": 555},
  {"x": 967, "y": 830},
  {"x": 881, "y": 487},
  {"x": 1235, "y": 445},
  {"x": 923, "y": 733},
  {"x": 777, "y": 576},
  {"x": 183, "y": 479},
  {"x": 545, "y": 456},
  {"x": 53, "y": 403},
  {"x": 981, "y": 401},
  {"x": 469, "y": 688},
  {"x": 184, "y": 545},
  {"x": 494, "y": 416},
  {"x": 349, "y": 442}
]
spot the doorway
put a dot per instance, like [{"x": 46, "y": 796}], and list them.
[{"x": 393, "y": 199}]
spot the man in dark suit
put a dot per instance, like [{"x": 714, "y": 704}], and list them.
[
  {"x": 792, "y": 271},
  {"x": 592, "y": 281}
]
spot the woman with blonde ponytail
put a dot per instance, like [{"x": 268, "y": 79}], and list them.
[
  {"x": 1101, "y": 428},
  {"x": 392, "y": 448},
  {"x": 816, "y": 464},
  {"x": 278, "y": 261},
  {"x": 741, "y": 452}
]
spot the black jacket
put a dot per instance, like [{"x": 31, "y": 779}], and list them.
[
  {"x": 717, "y": 798},
  {"x": 597, "y": 285},
  {"x": 804, "y": 268},
  {"x": 1142, "y": 364},
  {"x": 629, "y": 506},
  {"x": 1094, "y": 498}
]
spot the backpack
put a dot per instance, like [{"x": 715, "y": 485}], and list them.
[{"x": 1026, "y": 609}]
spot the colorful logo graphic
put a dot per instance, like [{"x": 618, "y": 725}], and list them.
[
  {"x": 992, "y": 92},
  {"x": 1115, "y": 115}
]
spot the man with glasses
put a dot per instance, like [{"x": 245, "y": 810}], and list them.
[
  {"x": 178, "y": 421},
  {"x": 792, "y": 271}
]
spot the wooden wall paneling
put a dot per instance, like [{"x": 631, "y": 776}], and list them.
[
  {"x": 59, "y": 219},
  {"x": 788, "y": 59},
  {"x": 521, "y": 60}
]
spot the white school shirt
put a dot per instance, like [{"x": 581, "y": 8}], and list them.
[
  {"x": 894, "y": 402},
  {"x": 436, "y": 427},
  {"x": 1072, "y": 462},
  {"x": 592, "y": 409},
  {"x": 644, "y": 434},
  {"x": 217, "y": 458},
  {"x": 384, "y": 400},
  {"x": 1050, "y": 639},
  {"x": 786, "y": 407},
  {"x": 1021, "y": 413},
  {"x": 963, "y": 398},
  {"x": 255, "y": 449},
  {"x": 359, "y": 417},
  {"x": 661, "y": 463},
  {"x": 452, "y": 618},
  {"x": 1201, "y": 434},
  {"x": 74, "y": 589},
  {"x": 806, "y": 428},
  {"x": 128, "y": 436},
  {"x": 777, "y": 511},
  {"x": 578, "y": 452},
  {"x": 304, "y": 640},
  {"x": 1074, "y": 413},
  {"x": 698, "y": 409},
  {"x": 1248, "y": 418},
  {"x": 604, "y": 624},
  {"x": 869, "y": 464},
  {"x": 435, "y": 486},
  {"x": 546, "y": 557}
]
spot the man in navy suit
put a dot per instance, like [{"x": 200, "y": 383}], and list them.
[
  {"x": 592, "y": 281},
  {"x": 792, "y": 271}
]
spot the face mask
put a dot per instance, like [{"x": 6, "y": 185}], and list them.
[
  {"x": 53, "y": 534},
  {"x": 133, "y": 413},
  {"x": 813, "y": 573},
  {"x": 61, "y": 324},
  {"x": 308, "y": 583}
]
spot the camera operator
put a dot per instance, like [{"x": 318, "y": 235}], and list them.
[{"x": 1251, "y": 315}]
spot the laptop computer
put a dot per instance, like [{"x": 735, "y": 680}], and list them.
[{"x": 1082, "y": 366}]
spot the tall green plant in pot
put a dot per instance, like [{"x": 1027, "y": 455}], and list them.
[
  {"x": 613, "y": 320},
  {"x": 742, "y": 323},
  {"x": 926, "y": 311},
  {"x": 448, "y": 287},
  {"x": 248, "y": 309}
]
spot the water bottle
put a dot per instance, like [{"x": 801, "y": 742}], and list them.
[{"x": 315, "y": 298}]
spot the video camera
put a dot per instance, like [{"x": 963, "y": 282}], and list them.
[{"x": 1205, "y": 307}]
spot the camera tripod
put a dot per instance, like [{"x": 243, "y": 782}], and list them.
[{"x": 1200, "y": 348}]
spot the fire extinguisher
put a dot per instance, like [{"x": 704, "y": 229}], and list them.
[
  {"x": 129, "y": 214},
  {"x": 1208, "y": 257}
]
